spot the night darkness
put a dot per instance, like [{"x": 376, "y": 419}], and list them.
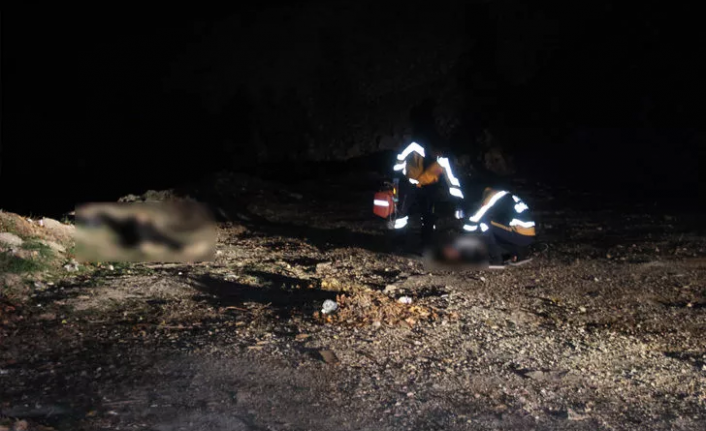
[
  {"x": 544, "y": 270},
  {"x": 599, "y": 95}
]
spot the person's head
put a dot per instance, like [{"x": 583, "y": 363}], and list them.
[{"x": 493, "y": 186}]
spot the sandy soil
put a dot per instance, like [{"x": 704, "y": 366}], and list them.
[{"x": 602, "y": 331}]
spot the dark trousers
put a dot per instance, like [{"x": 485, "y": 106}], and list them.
[
  {"x": 502, "y": 242},
  {"x": 421, "y": 200}
]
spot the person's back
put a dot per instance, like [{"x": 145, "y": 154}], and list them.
[
  {"x": 417, "y": 175},
  {"x": 507, "y": 223}
]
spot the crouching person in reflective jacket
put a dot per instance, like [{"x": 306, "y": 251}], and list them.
[{"x": 506, "y": 224}]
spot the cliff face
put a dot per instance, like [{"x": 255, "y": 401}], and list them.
[
  {"x": 282, "y": 84},
  {"x": 591, "y": 91}
]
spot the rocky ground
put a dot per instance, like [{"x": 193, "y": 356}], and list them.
[{"x": 602, "y": 331}]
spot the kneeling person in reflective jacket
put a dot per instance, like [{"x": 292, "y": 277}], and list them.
[{"x": 506, "y": 223}]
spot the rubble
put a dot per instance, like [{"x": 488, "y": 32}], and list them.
[{"x": 366, "y": 307}]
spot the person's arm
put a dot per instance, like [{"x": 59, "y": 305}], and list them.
[
  {"x": 521, "y": 215},
  {"x": 451, "y": 180},
  {"x": 454, "y": 185}
]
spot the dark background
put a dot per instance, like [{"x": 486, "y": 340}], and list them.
[{"x": 593, "y": 95}]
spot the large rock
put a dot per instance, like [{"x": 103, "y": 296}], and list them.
[
  {"x": 10, "y": 239},
  {"x": 61, "y": 232}
]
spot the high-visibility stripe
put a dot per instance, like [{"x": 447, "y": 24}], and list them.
[
  {"x": 413, "y": 147},
  {"x": 381, "y": 203},
  {"x": 481, "y": 212},
  {"x": 399, "y": 166},
  {"x": 413, "y": 181},
  {"x": 516, "y": 199},
  {"x": 484, "y": 227},
  {"x": 444, "y": 162},
  {"x": 456, "y": 192},
  {"x": 470, "y": 228},
  {"x": 525, "y": 224}
]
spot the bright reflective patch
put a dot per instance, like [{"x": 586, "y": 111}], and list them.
[
  {"x": 521, "y": 207},
  {"x": 456, "y": 192},
  {"x": 413, "y": 181},
  {"x": 400, "y": 223},
  {"x": 515, "y": 198},
  {"x": 380, "y": 203},
  {"x": 399, "y": 167},
  {"x": 444, "y": 162},
  {"x": 413, "y": 147},
  {"x": 483, "y": 227},
  {"x": 478, "y": 215},
  {"x": 525, "y": 224},
  {"x": 470, "y": 228}
]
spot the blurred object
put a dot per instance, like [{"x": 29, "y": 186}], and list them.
[
  {"x": 145, "y": 232},
  {"x": 457, "y": 252}
]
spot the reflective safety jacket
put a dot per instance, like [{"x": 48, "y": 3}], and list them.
[
  {"x": 504, "y": 210},
  {"x": 421, "y": 170}
]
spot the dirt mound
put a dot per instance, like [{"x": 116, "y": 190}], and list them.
[
  {"x": 41, "y": 229},
  {"x": 370, "y": 307},
  {"x": 20, "y": 226}
]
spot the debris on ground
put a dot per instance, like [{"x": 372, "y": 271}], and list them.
[
  {"x": 404, "y": 300},
  {"x": 329, "y": 306},
  {"x": 72, "y": 266},
  {"x": 572, "y": 340},
  {"x": 366, "y": 307},
  {"x": 329, "y": 356}
]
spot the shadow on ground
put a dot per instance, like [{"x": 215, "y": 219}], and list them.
[{"x": 287, "y": 295}]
